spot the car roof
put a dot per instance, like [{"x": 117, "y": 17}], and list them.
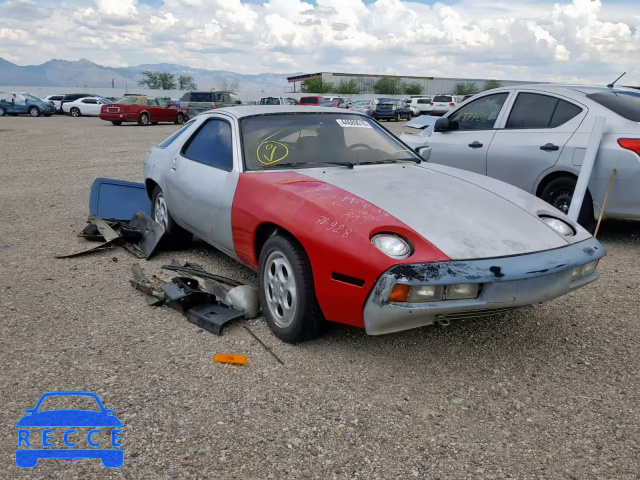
[
  {"x": 565, "y": 88},
  {"x": 242, "y": 111}
]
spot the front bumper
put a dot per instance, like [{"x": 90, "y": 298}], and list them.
[
  {"x": 385, "y": 114},
  {"x": 507, "y": 283}
]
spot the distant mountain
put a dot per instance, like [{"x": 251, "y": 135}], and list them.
[{"x": 63, "y": 73}]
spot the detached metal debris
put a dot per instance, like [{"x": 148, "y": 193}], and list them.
[
  {"x": 203, "y": 301},
  {"x": 141, "y": 235}
]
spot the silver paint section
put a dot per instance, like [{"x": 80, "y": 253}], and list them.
[
  {"x": 506, "y": 283},
  {"x": 461, "y": 219}
]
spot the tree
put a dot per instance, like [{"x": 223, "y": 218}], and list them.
[
  {"x": 491, "y": 84},
  {"x": 388, "y": 86},
  {"x": 467, "y": 88},
  {"x": 229, "y": 85},
  {"x": 348, "y": 88},
  {"x": 316, "y": 85},
  {"x": 185, "y": 82},
  {"x": 413, "y": 89},
  {"x": 158, "y": 80}
]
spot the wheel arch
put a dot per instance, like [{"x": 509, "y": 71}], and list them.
[
  {"x": 149, "y": 186},
  {"x": 548, "y": 178},
  {"x": 266, "y": 230}
]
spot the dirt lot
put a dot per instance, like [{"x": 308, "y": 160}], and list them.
[{"x": 546, "y": 392}]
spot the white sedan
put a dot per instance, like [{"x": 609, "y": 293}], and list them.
[{"x": 88, "y": 106}]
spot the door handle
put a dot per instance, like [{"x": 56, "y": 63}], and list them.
[
  {"x": 549, "y": 147},
  {"x": 174, "y": 164},
  {"x": 476, "y": 144}
]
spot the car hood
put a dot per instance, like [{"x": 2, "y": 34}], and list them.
[
  {"x": 453, "y": 210},
  {"x": 69, "y": 418}
]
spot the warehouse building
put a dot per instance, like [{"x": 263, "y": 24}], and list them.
[{"x": 367, "y": 82}]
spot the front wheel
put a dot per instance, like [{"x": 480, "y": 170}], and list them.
[
  {"x": 75, "y": 112},
  {"x": 3, "y": 111},
  {"x": 559, "y": 193},
  {"x": 180, "y": 119},
  {"x": 143, "y": 120},
  {"x": 34, "y": 111},
  {"x": 178, "y": 236},
  {"x": 286, "y": 289}
]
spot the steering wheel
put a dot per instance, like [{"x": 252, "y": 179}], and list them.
[{"x": 356, "y": 145}]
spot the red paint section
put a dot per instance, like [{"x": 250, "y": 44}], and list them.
[{"x": 333, "y": 226}]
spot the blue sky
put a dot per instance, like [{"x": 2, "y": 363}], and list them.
[{"x": 568, "y": 40}]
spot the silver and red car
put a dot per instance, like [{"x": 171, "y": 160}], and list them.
[{"x": 343, "y": 222}]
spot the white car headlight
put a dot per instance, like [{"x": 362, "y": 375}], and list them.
[
  {"x": 391, "y": 245},
  {"x": 558, "y": 225},
  {"x": 584, "y": 270}
]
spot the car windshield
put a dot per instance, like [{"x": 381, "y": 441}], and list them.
[
  {"x": 127, "y": 100},
  {"x": 308, "y": 140},
  {"x": 624, "y": 103},
  {"x": 66, "y": 402},
  {"x": 270, "y": 101},
  {"x": 388, "y": 102},
  {"x": 442, "y": 98},
  {"x": 362, "y": 102}
]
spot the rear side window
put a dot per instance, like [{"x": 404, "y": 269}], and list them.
[
  {"x": 424, "y": 100},
  {"x": 626, "y": 104},
  {"x": 211, "y": 145},
  {"x": 185, "y": 97},
  {"x": 234, "y": 98},
  {"x": 308, "y": 101},
  {"x": 200, "y": 97},
  {"x": 169, "y": 140},
  {"x": 55, "y": 97},
  {"x": 532, "y": 110},
  {"x": 442, "y": 98}
]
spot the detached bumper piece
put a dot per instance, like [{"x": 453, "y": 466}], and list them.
[
  {"x": 203, "y": 302},
  {"x": 140, "y": 236}
]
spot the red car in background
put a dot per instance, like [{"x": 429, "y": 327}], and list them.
[
  {"x": 143, "y": 110},
  {"x": 311, "y": 101}
]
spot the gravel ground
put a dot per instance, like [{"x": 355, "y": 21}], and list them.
[{"x": 546, "y": 392}]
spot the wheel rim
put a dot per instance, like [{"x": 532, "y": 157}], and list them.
[
  {"x": 562, "y": 200},
  {"x": 280, "y": 289},
  {"x": 180, "y": 119},
  {"x": 34, "y": 112},
  {"x": 161, "y": 214},
  {"x": 144, "y": 119},
  {"x": 1, "y": 112},
  {"x": 74, "y": 112}
]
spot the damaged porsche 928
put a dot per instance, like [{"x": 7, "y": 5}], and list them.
[{"x": 343, "y": 222}]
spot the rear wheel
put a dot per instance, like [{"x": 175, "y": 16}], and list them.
[
  {"x": 559, "y": 193},
  {"x": 178, "y": 236},
  {"x": 143, "y": 119},
  {"x": 116, "y": 122},
  {"x": 34, "y": 111},
  {"x": 397, "y": 119},
  {"x": 3, "y": 111},
  {"x": 75, "y": 112},
  {"x": 286, "y": 289}
]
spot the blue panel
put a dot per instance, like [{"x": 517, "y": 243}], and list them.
[{"x": 118, "y": 200}]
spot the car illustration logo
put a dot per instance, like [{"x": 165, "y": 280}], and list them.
[{"x": 69, "y": 433}]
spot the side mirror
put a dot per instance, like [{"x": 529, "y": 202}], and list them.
[
  {"x": 424, "y": 152},
  {"x": 444, "y": 125}
]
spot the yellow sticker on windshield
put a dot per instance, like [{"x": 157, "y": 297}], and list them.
[{"x": 271, "y": 152}]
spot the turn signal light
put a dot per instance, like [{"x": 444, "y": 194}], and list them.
[
  {"x": 400, "y": 293},
  {"x": 226, "y": 358},
  {"x": 431, "y": 104},
  {"x": 632, "y": 144}
]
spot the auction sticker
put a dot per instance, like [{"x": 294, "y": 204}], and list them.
[{"x": 353, "y": 123}]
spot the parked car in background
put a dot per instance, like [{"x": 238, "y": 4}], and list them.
[
  {"x": 391, "y": 109},
  {"x": 467, "y": 97},
  {"x": 86, "y": 106},
  {"x": 421, "y": 104},
  {"x": 56, "y": 100},
  {"x": 535, "y": 137},
  {"x": 441, "y": 104},
  {"x": 277, "y": 101},
  {"x": 313, "y": 100},
  {"x": 17, "y": 103},
  {"x": 72, "y": 97},
  {"x": 194, "y": 103},
  {"x": 143, "y": 110},
  {"x": 365, "y": 106},
  {"x": 356, "y": 249}
]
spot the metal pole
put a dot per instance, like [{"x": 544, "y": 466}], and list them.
[
  {"x": 604, "y": 205},
  {"x": 587, "y": 168}
]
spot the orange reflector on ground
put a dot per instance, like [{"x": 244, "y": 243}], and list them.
[
  {"x": 400, "y": 293},
  {"x": 226, "y": 358}
]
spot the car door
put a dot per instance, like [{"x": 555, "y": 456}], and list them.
[
  {"x": 466, "y": 145},
  {"x": 90, "y": 106},
  {"x": 536, "y": 130},
  {"x": 202, "y": 181},
  {"x": 166, "y": 113}
]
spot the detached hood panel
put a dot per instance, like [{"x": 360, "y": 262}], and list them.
[{"x": 461, "y": 219}]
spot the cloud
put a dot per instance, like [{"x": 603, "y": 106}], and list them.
[{"x": 572, "y": 40}]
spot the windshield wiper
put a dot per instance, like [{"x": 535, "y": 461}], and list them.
[
  {"x": 391, "y": 160},
  {"x": 295, "y": 164}
]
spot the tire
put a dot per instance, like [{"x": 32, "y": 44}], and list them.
[
  {"x": 117, "y": 123},
  {"x": 177, "y": 236},
  {"x": 286, "y": 290},
  {"x": 75, "y": 112},
  {"x": 397, "y": 119},
  {"x": 143, "y": 120},
  {"x": 559, "y": 193},
  {"x": 3, "y": 111},
  {"x": 34, "y": 111},
  {"x": 179, "y": 119}
]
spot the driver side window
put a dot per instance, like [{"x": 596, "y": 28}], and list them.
[
  {"x": 480, "y": 114},
  {"x": 211, "y": 145}
]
